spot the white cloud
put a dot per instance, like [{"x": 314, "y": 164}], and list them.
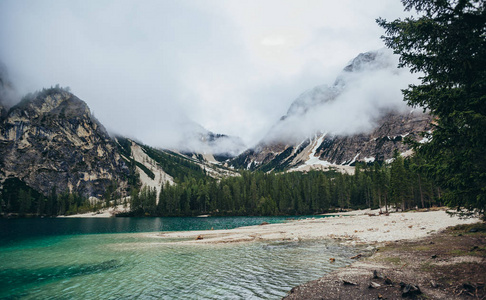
[
  {"x": 232, "y": 66},
  {"x": 353, "y": 105}
]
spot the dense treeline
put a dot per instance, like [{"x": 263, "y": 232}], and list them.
[
  {"x": 16, "y": 197},
  {"x": 401, "y": 185}
]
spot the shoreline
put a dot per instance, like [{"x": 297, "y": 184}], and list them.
[
  {"x": 104, "y": 213},
  {"x": 364, "y": 227},
  {"x": 449, "y": 264},
  {"x": 412, "y": 248}
]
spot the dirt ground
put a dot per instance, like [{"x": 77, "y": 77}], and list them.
[{"x": 447, "y": 265}]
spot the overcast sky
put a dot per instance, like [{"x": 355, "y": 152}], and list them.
[{"x": 144, "y": 67}]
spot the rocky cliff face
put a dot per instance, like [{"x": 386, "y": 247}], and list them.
[
  {"x": 379, "y": 144},
  {"x": 51, "y": 140},
  {"x": 332, "y": 147}
]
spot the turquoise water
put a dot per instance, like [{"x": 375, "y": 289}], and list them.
[{"x": 112, "y": 259}]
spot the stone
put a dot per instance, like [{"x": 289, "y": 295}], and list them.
[
  {"x": 410, "y": 290},
  {"x": 434, "y": 284},
  {"x": 346, "y": 282}
]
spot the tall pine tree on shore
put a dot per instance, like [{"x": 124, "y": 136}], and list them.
[{"x": 446, "y": 43}]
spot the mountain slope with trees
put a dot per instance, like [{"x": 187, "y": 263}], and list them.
[{"x": 401, "y": 185}]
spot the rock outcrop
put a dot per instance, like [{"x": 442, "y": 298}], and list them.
[
  {"x": 377, "y": 145},
  {"x": 51, "y": 140}
]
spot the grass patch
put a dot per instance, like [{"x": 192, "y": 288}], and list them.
[
  {"x": 427, "y": 267},
  {"x": 422, "y": 248},
  {"x": 469, "y": 228},
  {"x": 394, "y": 260},
  {"x": 458, "y": 252},
  {"x": 479, "y": 251}
]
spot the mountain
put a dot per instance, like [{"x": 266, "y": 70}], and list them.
[
  {"x": 200, "y": 143},
  {"x": 358, "y": 118},
  {"x": 157, "y": 167},
  {"x": 50, "y": 140}
]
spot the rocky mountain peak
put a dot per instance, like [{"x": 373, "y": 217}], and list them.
[
  {"x": 54, "y": 102},
  {"x": 361, "y": 117},
  {"x": 50, "y": 139},
  {"x": 360, "y": 61},
  {"x": 364, "y": 62}
]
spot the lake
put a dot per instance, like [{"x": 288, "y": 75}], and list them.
[{"x": 94, "y": 258}]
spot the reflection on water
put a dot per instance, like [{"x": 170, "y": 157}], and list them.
[
  {"x": 18, "y": 229},
  {"x": 134, "y": 266}
]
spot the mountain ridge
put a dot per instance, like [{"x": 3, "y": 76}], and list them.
[
  {"x": 50, "y": 140},
  {"x": 368, "y": 138}
]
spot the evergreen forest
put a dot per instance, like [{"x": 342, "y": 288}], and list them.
[
  {"x": 402, "y": 184},
  {"x": 399, "y": 185}
]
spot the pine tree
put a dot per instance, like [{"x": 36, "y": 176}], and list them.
[
  {"x": 398, "y": 184},
  {"x": 447, "y": 44}
]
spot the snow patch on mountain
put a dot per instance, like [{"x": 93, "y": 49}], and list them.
[
  {"x": 313, "y": 159},
  {"x": 369, "y": 159},
  {"x": 354, "y": 159}
]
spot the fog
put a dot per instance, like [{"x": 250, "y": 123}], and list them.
[
  {"x": 152, "y": 69},
  {"x": 353, "y": 104}
]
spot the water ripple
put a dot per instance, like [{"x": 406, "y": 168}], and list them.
[{"x": 240, "y": 271}]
